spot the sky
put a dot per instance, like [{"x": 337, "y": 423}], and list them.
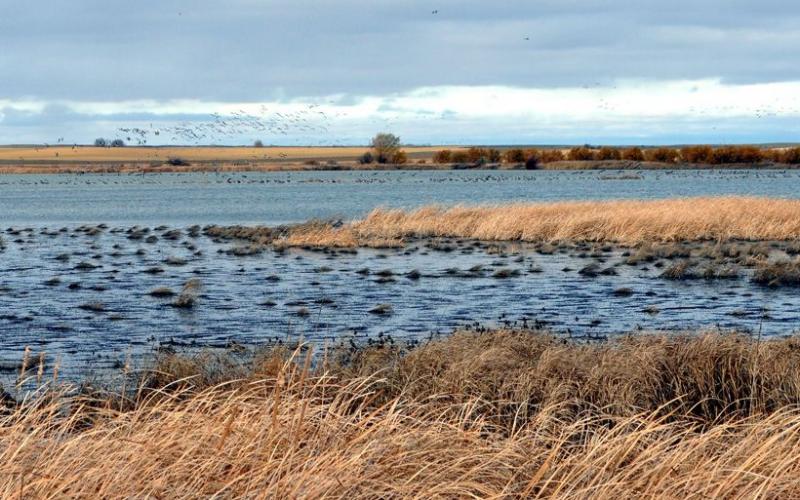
[{"x": 298, "y": 72}]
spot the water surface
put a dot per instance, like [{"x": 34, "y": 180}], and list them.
[{"x": 280, "y": 197}]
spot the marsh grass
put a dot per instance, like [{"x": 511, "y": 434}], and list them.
[
  {"x": 502, "y": 414},
  {"x": 627, "y": 222},
  {"x": 630, "y": 223}
]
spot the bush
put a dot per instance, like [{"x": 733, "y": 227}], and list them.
[
  {"x": 531, "y": 163},
  {"x": 791, "y": 156},
  {"x": 494, "y": 156},
  {"x": 459, "y": 157},
  {"x": 475, "y": 155},
  {"x": 774, "y": 155},
  {"x": 117, "y": 143},
  {"x": 100, "y": 142},
  {"x": 515, "y": 155},
  {"x": 366, "y": 158},
  {"x": 663, "y": 155},
  {"x": 399, "y": 158},
  {"x": 178, "y": 162},
  {"x": 697, "y": 154},
  {"x": 607, "y": 153},
  {"x": 736, "y": 154},
  {"x": 633, "y": 154},
  {"x": 258, "y": 144},
  {"x": 533, "y": 152},
  {"x": 443, "y": 156},
  {"x": 550, "y": 155},
  {"x": 580, "y": 154}
]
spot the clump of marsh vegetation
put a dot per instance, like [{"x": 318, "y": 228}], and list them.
[
  {"x": 382, "y": 309},
  {"x": 650, "y": 252},
  {"x": 162, "y": 292},
  {"x": 687, "y": 270},
  {"x": 781, "y": 273},
  {"x": 96, "y": 307},
  {"x": 187, "y": 298}
]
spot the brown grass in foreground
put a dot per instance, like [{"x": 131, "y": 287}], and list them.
[
  {"x": 623, "y": 222},
  {"x": 506, "y": 414}
]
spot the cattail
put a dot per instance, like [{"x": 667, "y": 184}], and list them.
[
  {"x": 56, "y": 366},
  {"x": 24, "y": 367},
  {"x": 40, "y": 371}
]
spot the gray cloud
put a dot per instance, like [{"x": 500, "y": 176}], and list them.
[
  {"x": 257, "y": 50},
  {"x": 58, "y": 52}
]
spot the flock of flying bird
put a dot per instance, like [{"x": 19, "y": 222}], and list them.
[{"x": 310, "y": 121}]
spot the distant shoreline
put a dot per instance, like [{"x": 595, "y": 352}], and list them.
[
  {"x": 83, "y": 167},
  {"x": 143, "y": 160}
]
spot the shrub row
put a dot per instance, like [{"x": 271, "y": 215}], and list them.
[
  {"x": 397, "y": 158},
  {"x": 689, "y": 154}
]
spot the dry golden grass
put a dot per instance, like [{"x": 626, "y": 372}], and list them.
[
  {"x": 198, "y": 154},
  {"x": 507, "y": 414},
  {"x": 623, "y": 222},
  {"x": 133, "y": 159}
]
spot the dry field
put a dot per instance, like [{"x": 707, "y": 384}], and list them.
[
  {"x": 199, "y": 154},
  {"x": 500, "y": 414},
  {"x": 623, "y": 222},
  {"x": 59, "y": 159}
]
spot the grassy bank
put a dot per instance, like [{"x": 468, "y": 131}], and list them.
[
  {"x": 495, "y": 414},
  {"x": 622, "y": 222}
]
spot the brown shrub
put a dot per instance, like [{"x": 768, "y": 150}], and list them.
[
  {"x": 581, "y": 153},
  {"x": 474, "y": 155},
  {"x": 696, "y": 154},
  {"x": 459, "y": 157},
  {"x": 608, "y": 153},
  {"x": 633, "y": 154},
  {"x": 515, "y": 155},
  {"x": 551, "y": 155},
  {"x": 399, "y": 158},
  {"x": 773, "y": 155},
  {"x": 736, "y": 154},
  {"x": 791, "y": 156},
  {"x": 663, "y": 155},
  {"x": 443, "y": 156}
]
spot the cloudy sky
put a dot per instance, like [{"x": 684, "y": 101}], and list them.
[{"x": 433, "y": 71}]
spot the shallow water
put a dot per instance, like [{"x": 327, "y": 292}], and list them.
[
  {"x": 281, "y": 197},
  {"x": 255, "y": 299}
]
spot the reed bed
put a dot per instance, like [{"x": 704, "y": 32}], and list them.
[
  {"x": 500, "y": 414},
  {"x": 632, "y": 221},
  {"x": 622, "y": 222},
  {"x": 627, "y": 222}
]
